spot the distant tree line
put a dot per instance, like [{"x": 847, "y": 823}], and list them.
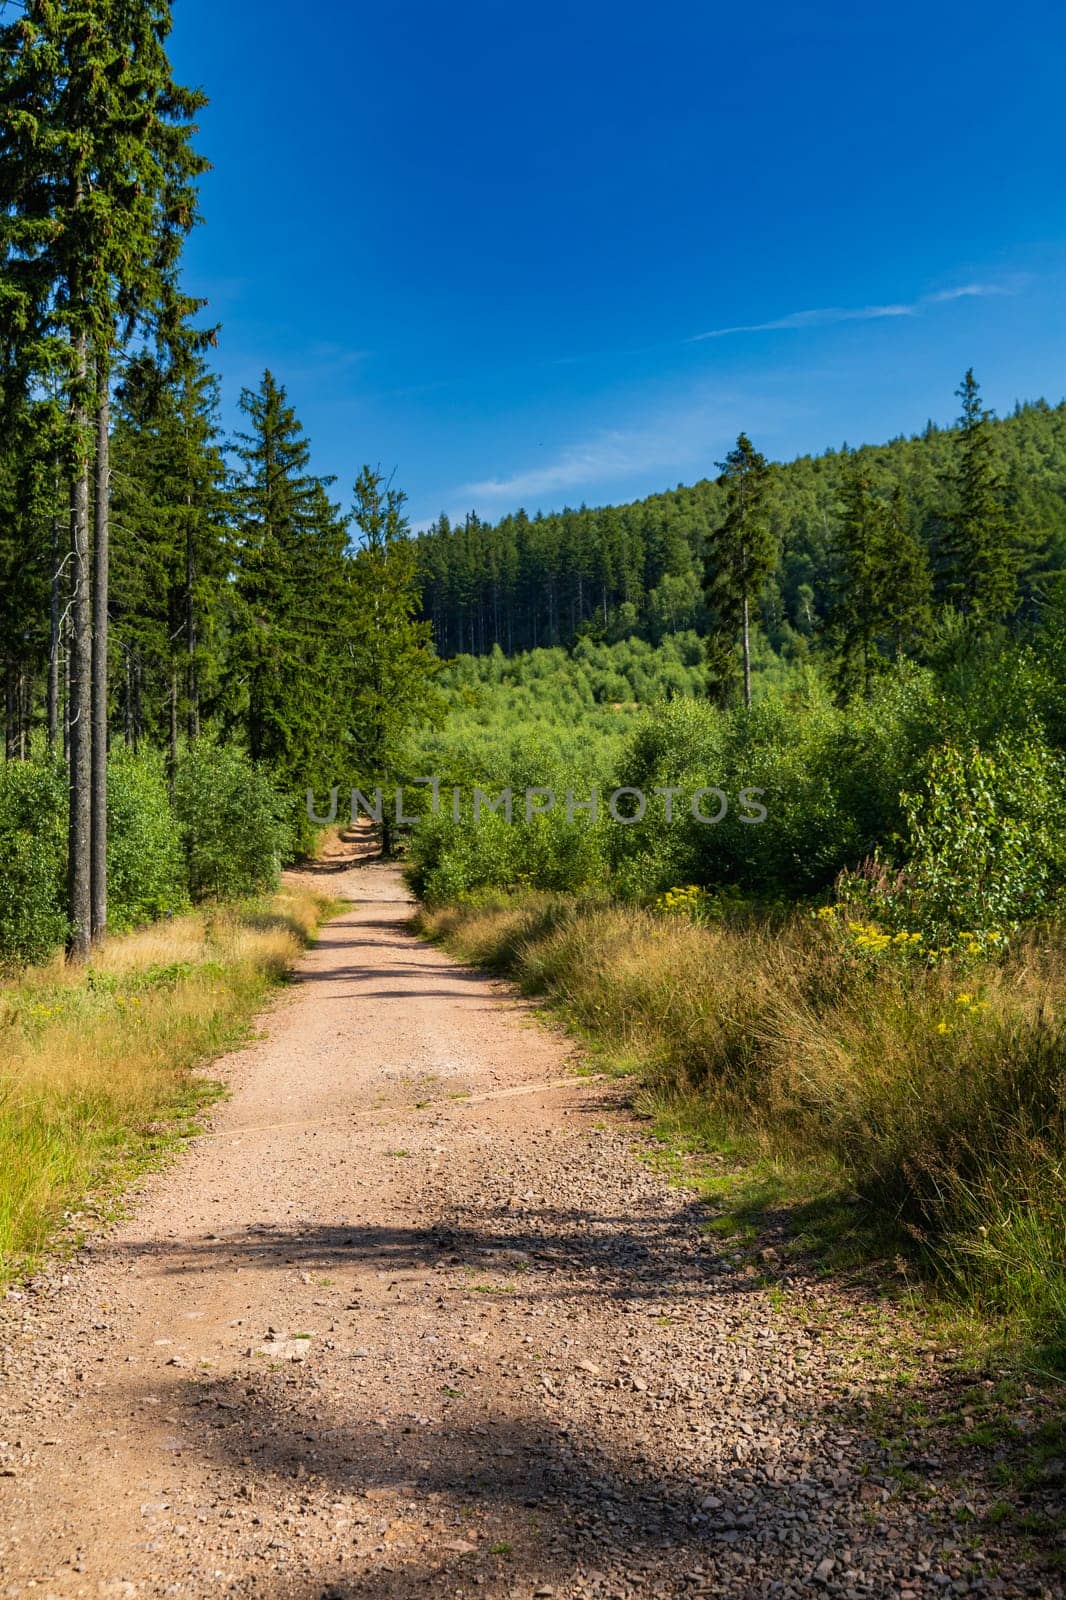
[{"x": 850, "y": 552}]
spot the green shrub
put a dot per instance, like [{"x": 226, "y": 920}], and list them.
[
  {"x": 451, "y": 860},
  {"x": 830, "y": 782},
  {"x": 834, "y": 778},
  {"x": 233, "y": 822},
  {"x": 984, "y": 835},
  {"x": 146, "y": 868},
  {"x": 33, "y": 823}
]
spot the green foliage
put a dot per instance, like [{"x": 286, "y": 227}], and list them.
[
  {"x": 234, "y": 824},
  {"x": 879, "y": 605},
  {"x": 170, "y": 546},
  {"x": 390, "y": 665},
  {"x": 146, "y": 864},
  {"x": 145, "y": 860},
  {"x": 828, "y": 779},
  {"x": 740, "y": 556},
  {"x": 978, "y": 565},
  {"x": 984, "y": 835},
  {"x": 33, "y": 822},
  {"x": 559, "y": 847},
  {"x": 840, "y": 783},
  {"x": 291, "y": 602}
]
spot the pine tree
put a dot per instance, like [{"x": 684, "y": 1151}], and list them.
[
  {"x": 909, "y": 584},
  {"x": 741, "y": 555},
  {"x": 205, "y": 509},
  {"x": 145, "y": 482},
  {"x": 172, "y": 544},
  {"x": 859, "y": 595},
  {"x": 389, "y": 649},
  {"x": 978, "y": 564},
  {"x": 28, "y": 507},
  {"x": 291, "y": 598}
]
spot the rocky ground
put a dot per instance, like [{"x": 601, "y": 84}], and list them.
[{"x": 413, "y": 1318}]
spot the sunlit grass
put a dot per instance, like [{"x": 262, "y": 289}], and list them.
[
  {"x": 97, "y": 1065},
  {"x": 897, "y": 1107}
]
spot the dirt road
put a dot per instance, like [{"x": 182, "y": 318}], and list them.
[{"x": 413, "y": 1319}]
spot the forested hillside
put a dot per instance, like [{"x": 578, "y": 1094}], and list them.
[{"x": 527, "y": 582}]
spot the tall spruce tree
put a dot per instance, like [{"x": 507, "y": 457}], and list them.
[
  {"x": 860, "y": 588},
  {"x": 389, "y": 649},
  {"x": 978, "y": 566},
  {"x": 879, "y": 594},
  {"x": 172, "y": 545},
  {"x": 909, "y": 587},
  {"x": 47, "y": 149},
  {"x": 292, "y": 596},
  {"x": 28, "y": 509},
  {"x": 741, "y": 554},
  {"x": 205, "y": 510}
]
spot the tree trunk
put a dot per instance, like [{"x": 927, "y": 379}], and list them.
[
  {"x": 172, "y": 754},
  {"x": 65, "y": 721},
  {"x": 26, "y": 691},
  {"x": 101, "y": 561},
  {"x": 127, "y": 700},
  {"x": 747, "y": 655},
  {"x": 137, "y": 729},
  {"x": 11, "y": 711},
  {"x": 190, "y": 625},
  {"x": 54, "y": 612},
  {"x": 79, "y": 710}
]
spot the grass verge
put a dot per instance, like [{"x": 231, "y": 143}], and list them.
[
  {"x": 906, "y": 1113},
  {"x": 97, "y": 1078}
]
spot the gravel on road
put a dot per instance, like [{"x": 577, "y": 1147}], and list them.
[{"x": 412, "y": 1318}]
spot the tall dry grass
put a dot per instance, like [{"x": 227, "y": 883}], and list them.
[
  {"x": 96, "y": 1065},
  {"x": 938, "y": 1094}
]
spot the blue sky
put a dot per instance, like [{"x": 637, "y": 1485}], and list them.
[{"x": 544, "y": 254}]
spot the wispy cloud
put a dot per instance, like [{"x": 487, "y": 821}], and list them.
[
  {"x": 338, "y": 357},
  {"x": 687, "y": 434},
  {"x": 970, "y": 291},
  {"x": 608, "y": 455},
  {"x": 824, "y": 316}
]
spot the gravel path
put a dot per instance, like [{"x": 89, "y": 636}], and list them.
[{"x": 411, "y": 1319}]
